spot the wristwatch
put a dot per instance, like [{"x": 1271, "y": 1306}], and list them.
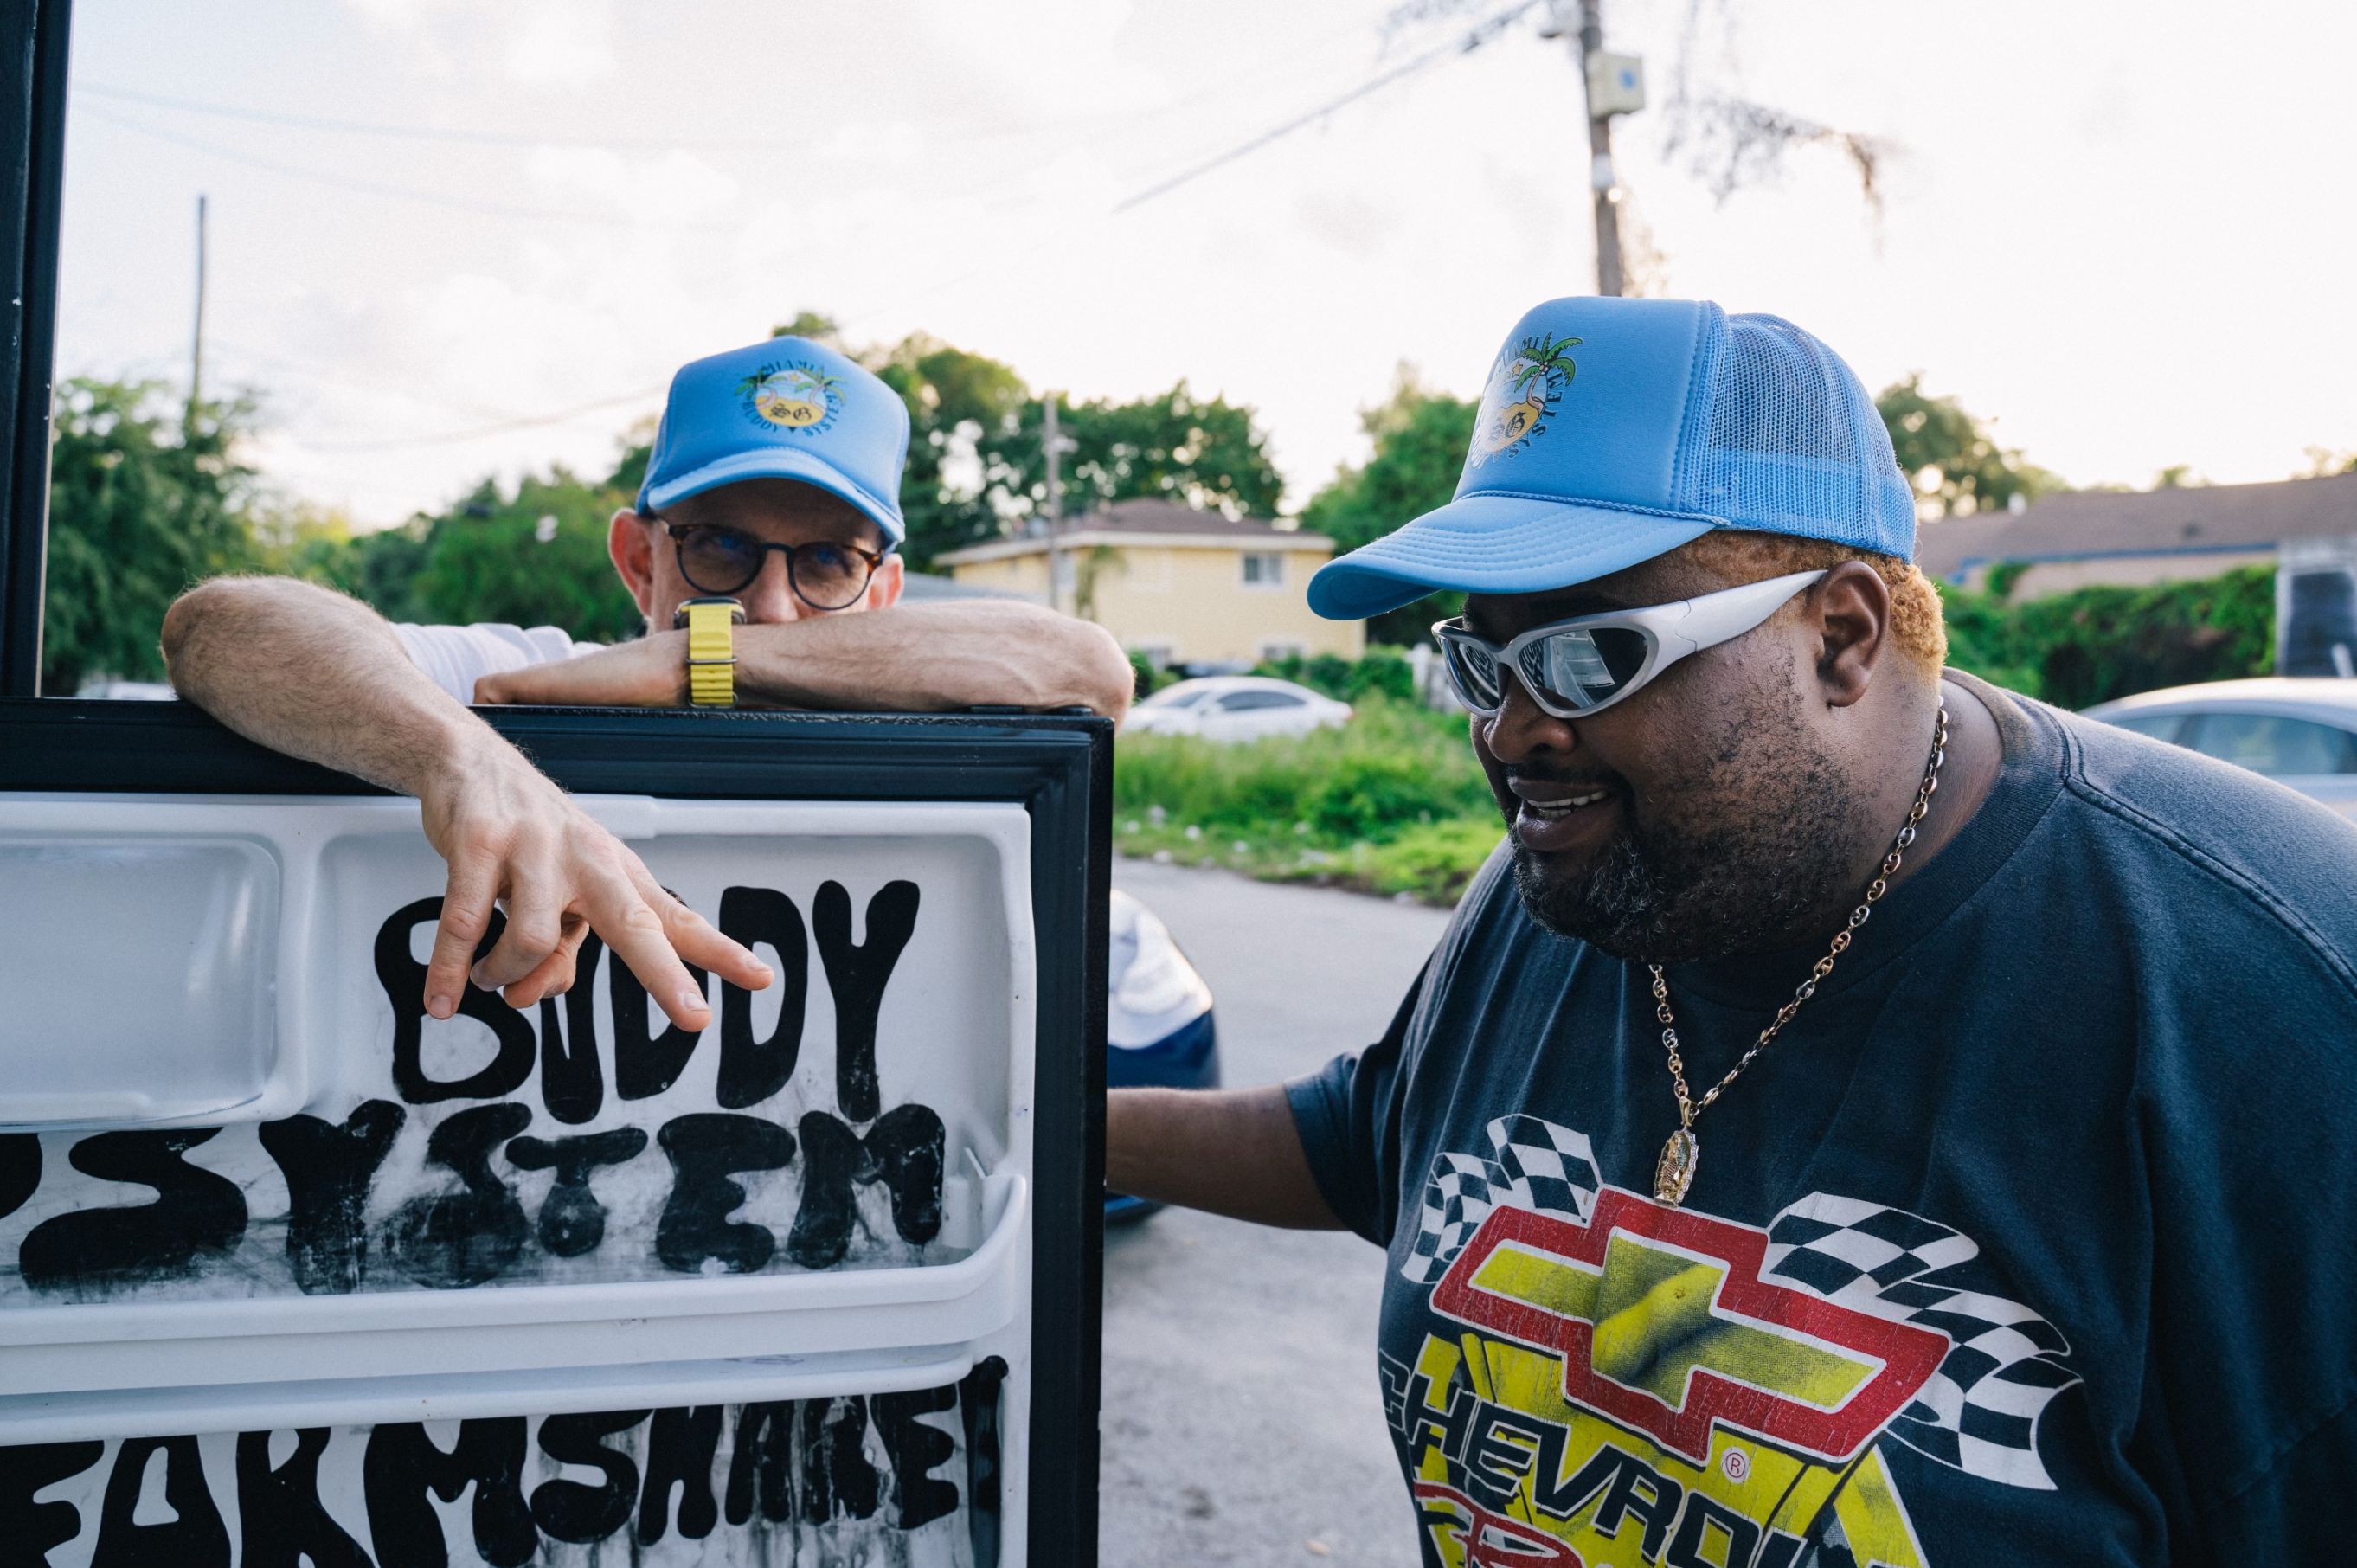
[{"x": 710, "y": 625}]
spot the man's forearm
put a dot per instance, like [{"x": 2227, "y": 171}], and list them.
[
  {"x": 1231, "y": 1151},
  {"x": 316, "y": 675},
  {"x": 937, "y": 658}
]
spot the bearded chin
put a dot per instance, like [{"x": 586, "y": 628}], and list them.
[{"x": 1738, "y": 870}]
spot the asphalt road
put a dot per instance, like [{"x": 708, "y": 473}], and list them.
[{"x": 1241, "y": 1421}]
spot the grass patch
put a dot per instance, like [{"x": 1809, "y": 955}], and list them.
[{"x": 1391, "y": 802}]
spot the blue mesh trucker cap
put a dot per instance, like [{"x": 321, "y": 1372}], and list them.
[
  {"x": 786, "y": 409},
  {"x": 1612, "y": 430}
]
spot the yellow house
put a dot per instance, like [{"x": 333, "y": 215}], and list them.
[{"x": 1179, "y": 585}]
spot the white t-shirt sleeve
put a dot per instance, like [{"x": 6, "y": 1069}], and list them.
[{"x": 455, "y": 657}]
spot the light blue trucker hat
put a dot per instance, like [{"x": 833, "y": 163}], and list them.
[
  {"x": 786, "y": 409},
  {"x": 1612, "y": 430}
]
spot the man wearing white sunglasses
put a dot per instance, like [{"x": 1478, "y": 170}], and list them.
[{"x": 1858, "y": 1115}]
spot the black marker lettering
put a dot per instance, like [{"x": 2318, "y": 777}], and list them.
[
  {"x": 568, "y": 1511},
  {"x": 402, "y": 1465},
  {"x": 404, "y": 979},
  {"x": 572, "y": 1080},
  {"x": 856, "y": 975},
  {"x": 196, "y": 1538},
  {"x": 916, "y": 1447},
  {"x": 645, "y": 1067},
  {"x": 761, "y": 1464},
  {"x": 903, "y": 1151},
  {"x": 680, "y": 1454},
  {"x": 751, "y": 1070},
  {"x": 571, "y": 1221},
  {"x": 463, "y": 1238},
  {"x": 705, "y": 1149},
  {"x": 31, "y": 1529},
  {"x": 20, "y": 1170},
  {"x": 279, "y": 1512},
  {"x": 327, "y": 1170},
  {"x": 978, "y": 1410},
  {"x": 836, "y": 1477},
  {"x": 195, "y": 1213}
]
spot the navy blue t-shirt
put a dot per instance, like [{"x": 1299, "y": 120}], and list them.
[{"x": 2029, "y": 1240}]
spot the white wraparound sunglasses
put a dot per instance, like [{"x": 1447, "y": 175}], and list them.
[{"x": 1574, "y": 668}]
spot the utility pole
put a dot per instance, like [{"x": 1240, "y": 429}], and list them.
[
  {"x": 1606, "y": 183},
  {"x": 1613, "y": 84},
  {"x": 197, "y": 344},
  {"x": 1052, "y": 440}
]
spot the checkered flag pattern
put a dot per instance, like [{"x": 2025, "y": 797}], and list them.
[
  {"x": 1539, "y": 1166},
  {"x": 1979, "y": 1412}
]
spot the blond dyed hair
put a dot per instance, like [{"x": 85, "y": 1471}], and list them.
[{"x": 1918, "y": 630}]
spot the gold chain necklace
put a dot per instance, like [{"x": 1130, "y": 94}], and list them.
[{"x": 1674, "y": 1172}]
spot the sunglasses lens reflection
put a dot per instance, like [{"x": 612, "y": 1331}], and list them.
[
  {"x": 1475, "y": 671},
  {"x": 1584, "y": 667}
]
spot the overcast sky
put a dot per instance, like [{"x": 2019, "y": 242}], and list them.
[{"x": 2123, "y": 230}]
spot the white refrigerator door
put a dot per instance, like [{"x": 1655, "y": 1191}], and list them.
[{"x": 289, "y": 1270}]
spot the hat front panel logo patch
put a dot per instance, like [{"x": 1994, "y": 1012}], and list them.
[
  {"x": 1530, "y": 379},
  {"x": 792, "y": 394}
]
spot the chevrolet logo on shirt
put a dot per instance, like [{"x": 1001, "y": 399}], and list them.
[{"x": 1664, "y": 1323}]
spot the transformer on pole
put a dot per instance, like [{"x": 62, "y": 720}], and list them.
[{"x": 1614, "y": 84}]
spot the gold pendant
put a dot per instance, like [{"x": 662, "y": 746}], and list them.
[{"x": 1676, "y": 1173}]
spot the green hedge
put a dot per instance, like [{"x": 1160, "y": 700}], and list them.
[
  {"x": 1391, "y": 802},
  {"x": 2090, "y": 645},
  {"x": 1383, "y": 669}
]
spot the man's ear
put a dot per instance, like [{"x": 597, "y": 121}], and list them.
[
  {"x": 631, "y": 541},
  {"x": 883, "y": 588},
  {"x": 1850, "y": 611}
]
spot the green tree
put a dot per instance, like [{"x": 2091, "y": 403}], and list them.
[
  {"x": 966, "y": 442},
  {"x": 976, "y": 467},
  {"x": 1949, "y": 457},
  {"x": 536, "y": 556},
  {"x": 1420, "y": 437},
  {"x": 147, "y": 497}
]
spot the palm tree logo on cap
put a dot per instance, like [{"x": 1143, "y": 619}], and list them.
[{"x": 1529, "y": 381}]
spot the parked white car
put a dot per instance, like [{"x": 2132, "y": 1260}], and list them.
[
  {"x": 2299, "y": 731},
  {"x": 1235, "y": 707}
]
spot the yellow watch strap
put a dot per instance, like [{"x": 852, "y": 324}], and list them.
[{"x": 712, "y": 654}]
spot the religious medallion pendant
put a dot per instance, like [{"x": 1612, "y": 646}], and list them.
[{"x": 1676, "y": 1173}]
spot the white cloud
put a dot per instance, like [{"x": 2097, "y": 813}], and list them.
[{"x": 539, "y": 43}]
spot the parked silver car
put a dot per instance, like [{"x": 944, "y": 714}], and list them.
[
  {"x": 1234, "y": 708},
  {"x": 2300, "y": 732}
]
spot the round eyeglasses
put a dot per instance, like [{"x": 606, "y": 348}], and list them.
[{"x": 825, "y": 574}]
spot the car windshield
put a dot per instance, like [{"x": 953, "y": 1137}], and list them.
[{"x": 1176, "y": 697}]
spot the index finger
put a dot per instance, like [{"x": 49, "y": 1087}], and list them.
[
  {"x": 636, "y": 933},
  {"x": 696, "y": 939}
]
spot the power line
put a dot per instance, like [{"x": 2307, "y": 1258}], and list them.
[
  {"x": 403, "y": 133},
  {"x": 1474, "y": 38},
  {"x": 455, "y": 438},
  {"x": 393, "y": 192}
]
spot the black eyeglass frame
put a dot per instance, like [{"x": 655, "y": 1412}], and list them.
[{"x": 681, "y": 532}]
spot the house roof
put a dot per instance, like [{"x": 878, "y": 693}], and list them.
[
  {"x": 2077, "y": 524},
  {"x": 1160, "y": 524}
]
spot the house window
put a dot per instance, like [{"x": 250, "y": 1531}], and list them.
[
  {"x": 1264, "y": 569},
  {"x": 1270, "y": 652}
]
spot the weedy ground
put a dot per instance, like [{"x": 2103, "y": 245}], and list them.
[{"x": 1391, "y": 803}]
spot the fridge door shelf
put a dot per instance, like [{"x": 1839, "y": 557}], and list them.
[{"x": 60, "y": 1349}]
